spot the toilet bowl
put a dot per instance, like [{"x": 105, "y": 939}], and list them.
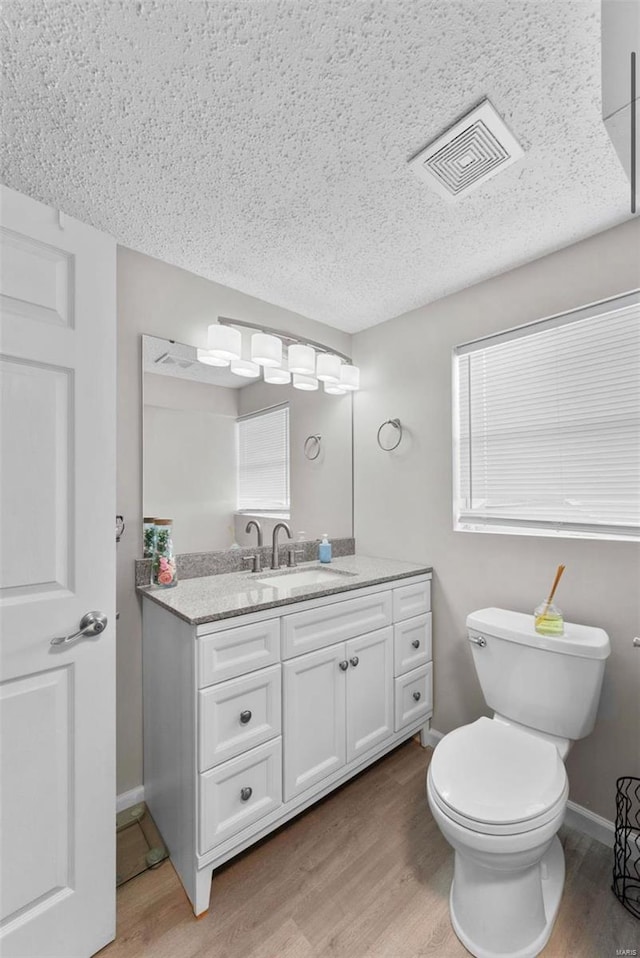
[
  {"x": 499, "y": 797},
  {"x": 498, "y": 787}
]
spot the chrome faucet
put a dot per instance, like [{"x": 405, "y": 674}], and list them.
[
  {"x": 274, "y": 554},
  {"x": 256, "y": 525}
]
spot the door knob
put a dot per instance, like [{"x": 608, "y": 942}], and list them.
[
  {"x": 93, "y": 623},
  {"x": 416, "y": 643},
  {"x": 417, "y": 696},
  {"x": 354, "y": 661},
  {"x": 246, "y": 793},
  {"x": 245, "y": 716},
  {"x": 344, "y": 665},
  {"x": 636, "y": 643}
]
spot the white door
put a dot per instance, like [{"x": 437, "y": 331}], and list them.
[
  {"x": 313, "y": 717},
  {"x": 369, "y": 691},
  {"x": 57, "y": 509}
]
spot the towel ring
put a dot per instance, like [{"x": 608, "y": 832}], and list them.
[
  {"x": 396, "y": 425},
  {"x": 311, "y": 443}
]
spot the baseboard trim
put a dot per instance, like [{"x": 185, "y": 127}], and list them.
[
  {"x": 431, "y": 738},
  {"x": 595, "y": 826},
  {"x": 577, "y": 816},
  {"x": 127, "y": 799}
]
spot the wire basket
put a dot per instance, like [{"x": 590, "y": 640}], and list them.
[{"x": 626, "y": 849}]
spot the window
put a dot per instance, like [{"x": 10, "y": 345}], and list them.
[
  {"x": 547, "y": 426},
  {"x": 263, "y": 461}
]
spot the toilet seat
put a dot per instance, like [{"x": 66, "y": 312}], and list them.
[{"x": 493, "y": 778}]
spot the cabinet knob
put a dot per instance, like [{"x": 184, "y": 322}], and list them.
[
  {"x": 344, "y": 665},
  {"x": 354, "y": 661},
  {"x": 416, "y": 643},
  {"x": 246, "y": 793},
  {"x": 245, "y": 716},
  {"x": 417, "y": 696}
]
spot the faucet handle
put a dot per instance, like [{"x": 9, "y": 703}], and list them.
[
  {"x": 293, "y": 556},
  {"x": 256, "y": 560}
]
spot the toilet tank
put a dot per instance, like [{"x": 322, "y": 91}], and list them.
[{"x": 549, "y": 683}]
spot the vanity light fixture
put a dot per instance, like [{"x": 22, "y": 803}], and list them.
[
  {"x": 242, "y": 367},
  {"x": 328, "y": 368},
  {"x": 300, "y": 381},
  {"x": 334, "y": 368},
  {"x": 206, "y": 356},
  {"x": 350, "y": 377},
  {"x": 224, "y": 342},
  {"x": 279, "y": 375},
  {"x": 335, "y": 389},
  {"x": 266, "y": 350},
  {"x": 302, "y": 359}
]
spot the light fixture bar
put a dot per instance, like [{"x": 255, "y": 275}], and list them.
[{"x": 287, "y": 338}]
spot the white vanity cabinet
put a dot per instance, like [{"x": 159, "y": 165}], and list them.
[
  {"x": 250, "y": 719},
  {"x": 338, "y": 704}
]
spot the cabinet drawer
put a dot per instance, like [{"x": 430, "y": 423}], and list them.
[
  {"x": 317, "y": 628},
  {"x": 238, "y": 715},
  {"x": 238, "y": 793},
  {"x": 224, "y": 655},
  {"x": 413, "y": 696},
  {"x": 411, "y": 600},
  {"x": 411, "y": 643}
]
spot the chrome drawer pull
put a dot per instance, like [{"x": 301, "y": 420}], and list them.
[
  {"x": 246, "y": 793},
  {"x": 417, "y": 696},
  {"x": 344, "y": 665},
  {"x": 354, "y": 661},
  {"x": 245, "y": 716},
  {"x": 416, "y": 643}
]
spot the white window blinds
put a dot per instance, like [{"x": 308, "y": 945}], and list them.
[
  {"x": 263, "y": 461},
  {"x": 547, "y": 426}
]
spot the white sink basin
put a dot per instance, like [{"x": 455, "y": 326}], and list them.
[{"x": 299, "y": 578}]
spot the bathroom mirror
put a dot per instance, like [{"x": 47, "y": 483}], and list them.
[{"x": 207, "y": 435}]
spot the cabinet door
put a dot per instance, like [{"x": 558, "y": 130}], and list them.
[
  {"x": 369, "y": 691},
  {"x": 313, "y": 718}
]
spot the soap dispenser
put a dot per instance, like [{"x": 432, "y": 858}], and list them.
[{"x": 324, "y": 549}]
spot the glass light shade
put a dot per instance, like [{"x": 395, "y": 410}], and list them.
[
  {"x": 204, "y": 356},
  {"x": 266, "y": 350},
  {"x": 242, "y": 367},
  {"x": 335, "y": 389},
  {"x": 302, "y": 359},
  {"x": 304, "y": 382},
  {"x": 328, "y": 368},
  {"x": 224, "y": 342},
  {"x": 350, "y": 377},
  {"x": 279, "y": 375}
]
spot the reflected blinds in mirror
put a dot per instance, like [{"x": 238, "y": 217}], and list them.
[{"x": 263, "y": 461}]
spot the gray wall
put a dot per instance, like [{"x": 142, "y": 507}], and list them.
[
  {"x": 404, "y": 503},
  {"x": 166, "y": 301}
]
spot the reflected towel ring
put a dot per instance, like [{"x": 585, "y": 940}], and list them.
[
  {"x": 396, "y": 425},
  {"x": 309, "y": 446}
]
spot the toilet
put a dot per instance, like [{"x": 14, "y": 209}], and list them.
[{"x": 498, "y": 787}]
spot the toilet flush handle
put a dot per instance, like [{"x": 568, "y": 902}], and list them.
[{"x": 478, "y": 640}]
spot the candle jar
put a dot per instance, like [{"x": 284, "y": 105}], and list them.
[
  {"x": 164, "y": 563},
  {"x": 548, "y": 620},
  {"x": 148, "y": 538}
]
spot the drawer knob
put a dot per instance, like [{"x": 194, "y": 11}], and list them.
[
  {"x": 416, "y": 643},
  {"x": 354, "y": 661},
  {"x": 344, "y": 665},
  {"x": 417, "y": 696},
  {"x": 245, "y": 716},
  {"x": 246, "y": 793}
]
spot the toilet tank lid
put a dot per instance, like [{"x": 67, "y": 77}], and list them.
[{"x": 581, "y": 640}]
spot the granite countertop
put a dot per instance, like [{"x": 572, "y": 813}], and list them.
[{"x": 214, "y": 597}]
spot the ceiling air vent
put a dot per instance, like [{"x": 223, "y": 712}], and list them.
[{"x": 472, "y": 151}]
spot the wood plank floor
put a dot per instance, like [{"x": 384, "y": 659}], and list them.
[{"x": 363, "y": 874}]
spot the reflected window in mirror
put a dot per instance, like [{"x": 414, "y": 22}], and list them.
[{"x": 263, "y": 449}]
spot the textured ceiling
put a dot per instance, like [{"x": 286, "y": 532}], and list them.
[{"x": 264, "y": 144}]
